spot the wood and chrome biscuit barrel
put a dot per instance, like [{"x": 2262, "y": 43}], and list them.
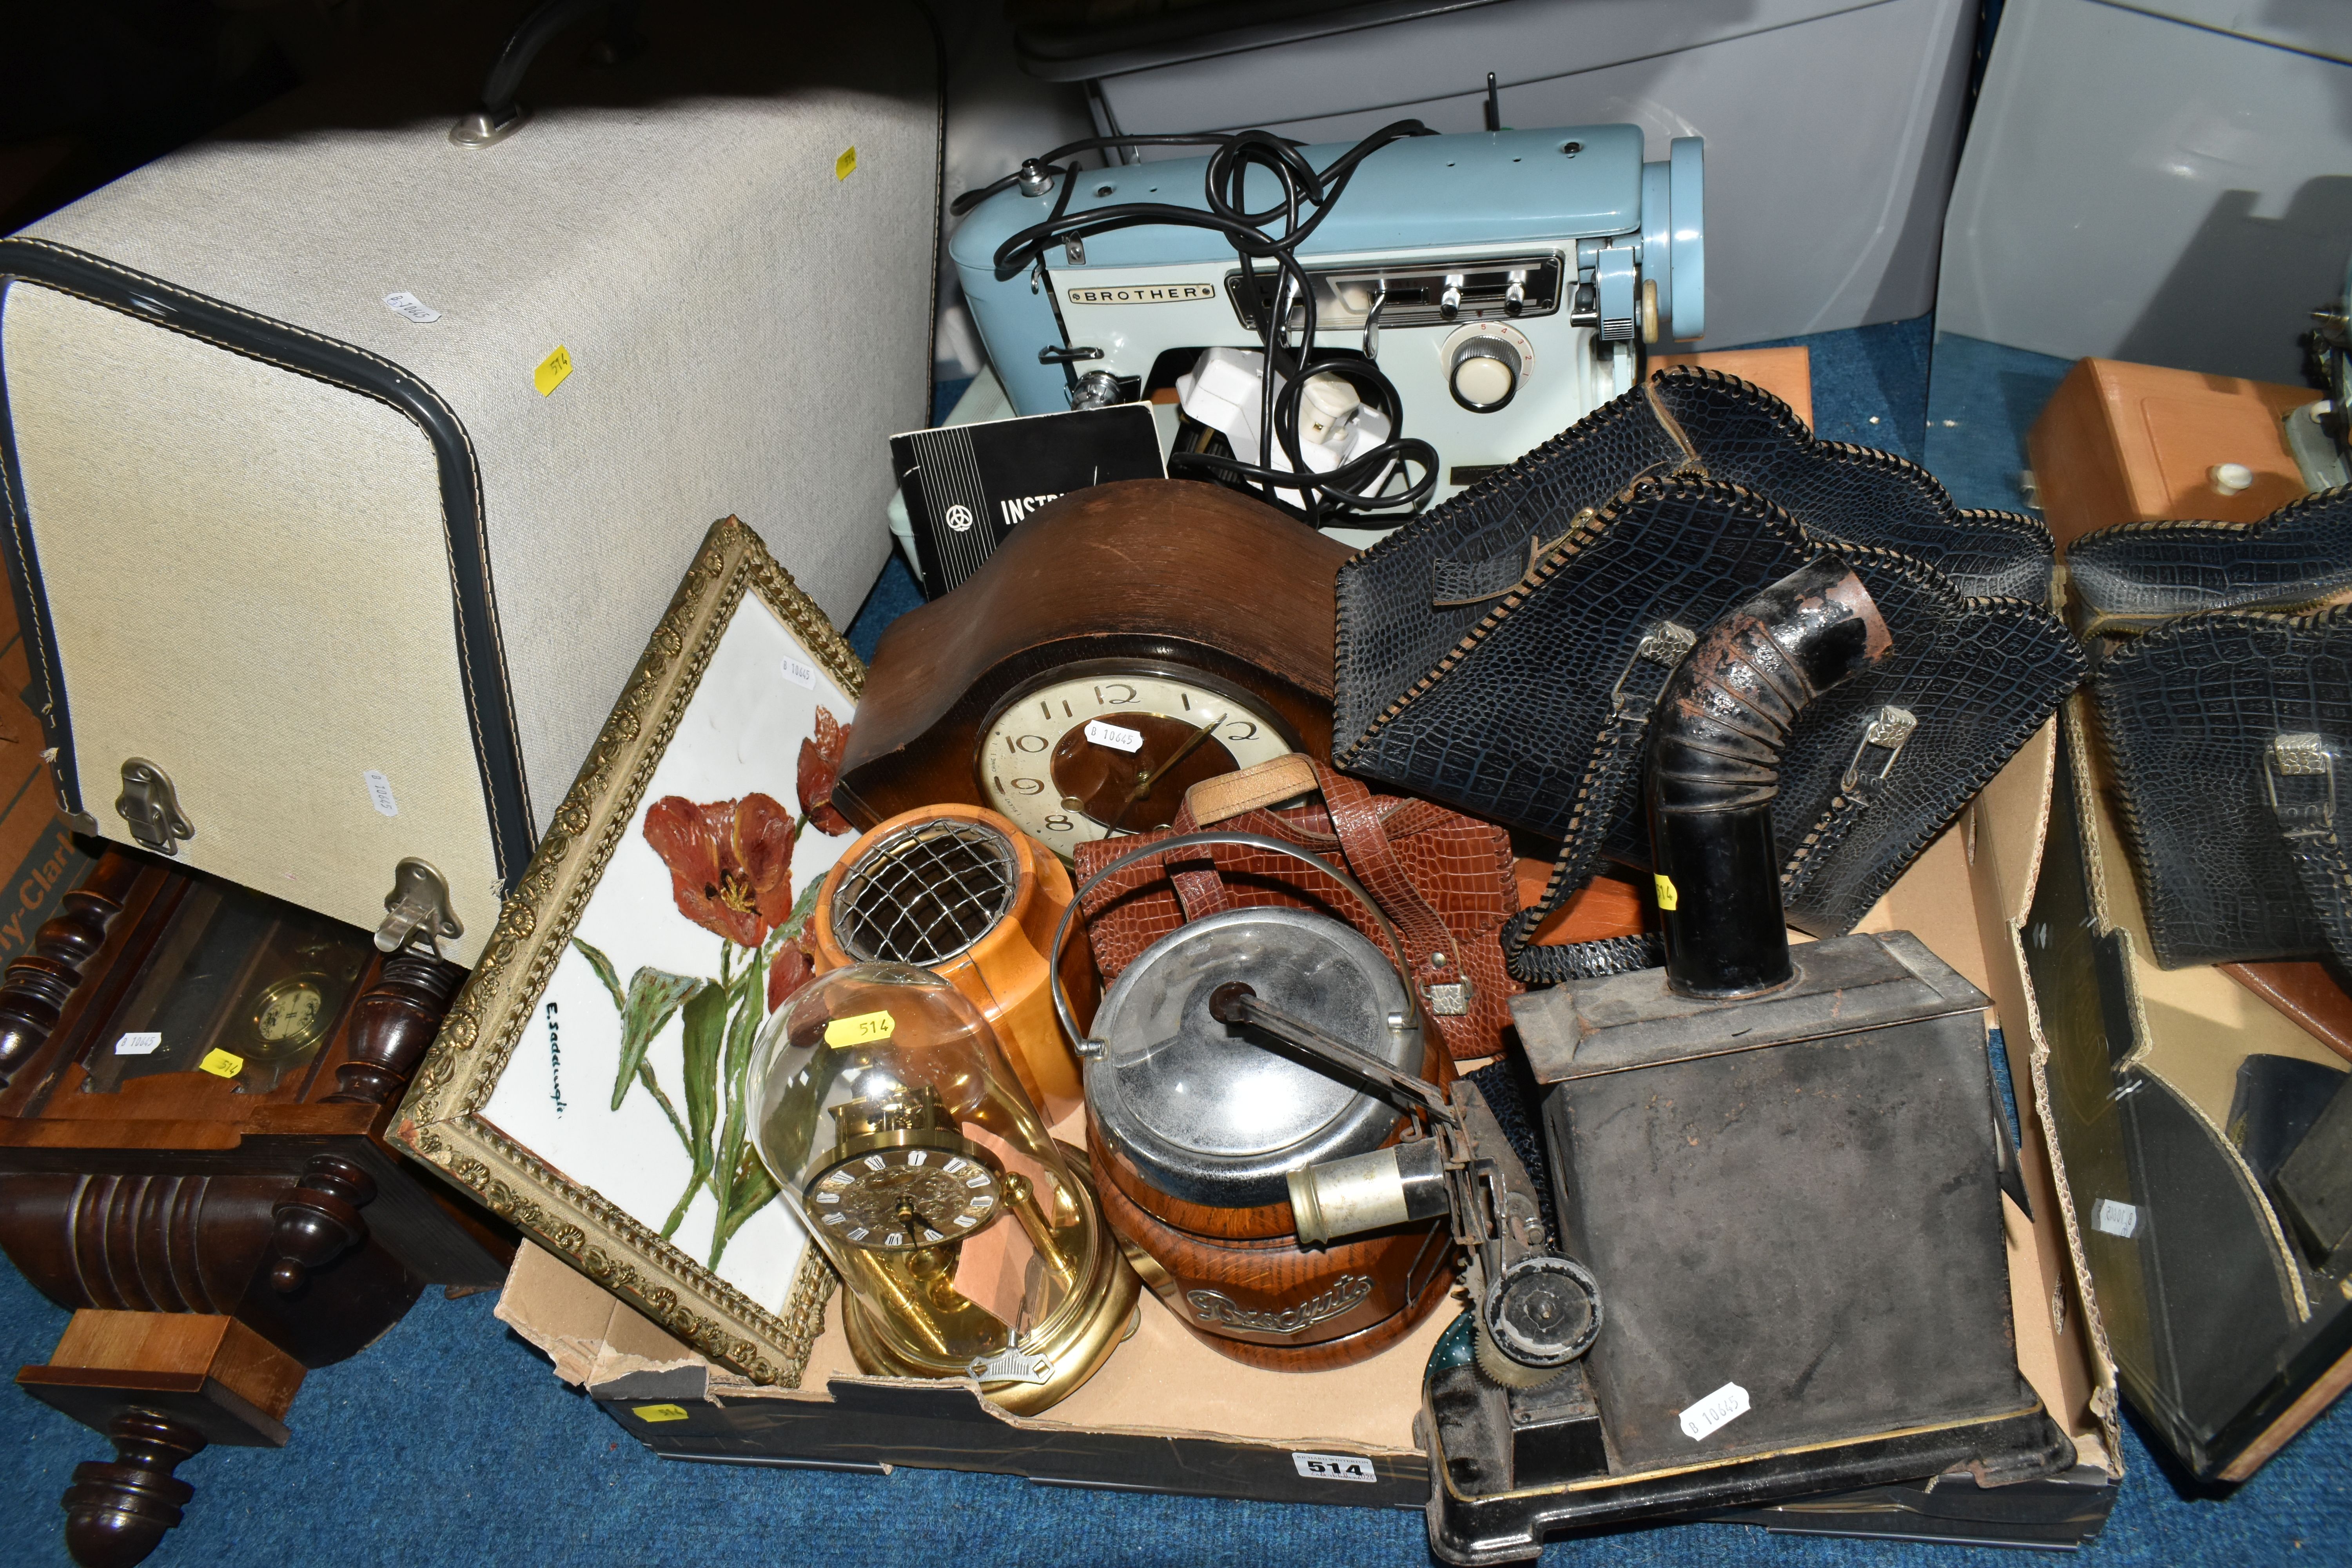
[{"x": 1195, "y": 1125}]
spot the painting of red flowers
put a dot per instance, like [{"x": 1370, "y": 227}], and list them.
[
  {"x": 731, "y": 862},
  {"x": 820, "y": 756},
  {"x": 730, "y": 872},
  {"x": 664, "y": 927}
]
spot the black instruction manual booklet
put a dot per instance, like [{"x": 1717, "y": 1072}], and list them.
[{"x": 968, "y": 486}]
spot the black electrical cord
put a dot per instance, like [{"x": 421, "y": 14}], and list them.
[
  {"x": 1354, "y": 485},
  {"x": 1050, "y": 165}
]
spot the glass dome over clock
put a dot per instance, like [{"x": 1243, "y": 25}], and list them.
[{"x": 970, "y": 1240}]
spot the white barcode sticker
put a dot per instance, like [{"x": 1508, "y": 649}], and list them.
[
  {"x": 1709, "y": 1415},
  {"x": 407, "y": 304},
  {"x": 380, "y": 793},
  {"x": 1334, "y": 1468},
  {"x": 140, "y": 1043},
  {"x": 799, "y": 672},
  {"x": 1113, "y": 736},
  {"x": 2115, "y": 1219}
]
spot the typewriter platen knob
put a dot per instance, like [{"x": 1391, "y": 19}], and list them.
[{"x": 1484, "y": 373}]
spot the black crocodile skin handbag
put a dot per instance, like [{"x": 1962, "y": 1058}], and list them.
[
  {"x": 1502, "y": 653},
  {"x": 2223, "y": 690}
]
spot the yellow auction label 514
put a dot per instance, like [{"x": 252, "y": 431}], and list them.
[{"x": 860, "y": 1029}]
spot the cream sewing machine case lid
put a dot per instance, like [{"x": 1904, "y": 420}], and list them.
[{"x": 345, "y": 465}]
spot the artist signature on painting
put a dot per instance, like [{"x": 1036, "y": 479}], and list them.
[{"x": 555, "y": 1061}]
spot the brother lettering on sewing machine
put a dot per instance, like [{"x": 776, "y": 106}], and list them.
[{"x": 1501, "y": 284}]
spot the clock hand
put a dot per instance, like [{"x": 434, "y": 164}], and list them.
[
  {"x": 913, "y": 1217},
  {"x": 1149, "y": 776},
  {"x": 1144, "y": 780},
  {"x": 907, "y": 1209}
]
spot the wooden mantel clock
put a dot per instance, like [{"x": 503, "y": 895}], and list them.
[
  {"x": 195, "y": 1081},
  {"x": 1123, "y": 644}
]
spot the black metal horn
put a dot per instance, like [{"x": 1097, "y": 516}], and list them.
[{"x": 1720, "y": 727}]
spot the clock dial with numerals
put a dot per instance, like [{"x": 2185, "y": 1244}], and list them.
[
  {"x": 895, "y": 1200},
  {"x": 1110, "y": 747},
  {"x": 289, "y": 1017},
  {"x": 1179, "y": 592}
]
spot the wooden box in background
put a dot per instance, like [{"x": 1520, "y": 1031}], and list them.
[{"x": 2132, "y": 442}]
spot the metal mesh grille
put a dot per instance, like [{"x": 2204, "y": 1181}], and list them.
[{"x": 925, "y": 893}]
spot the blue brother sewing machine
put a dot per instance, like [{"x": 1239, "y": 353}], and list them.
[{"x": 1504, "y": 281}]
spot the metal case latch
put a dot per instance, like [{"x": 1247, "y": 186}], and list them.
[
  {"x": 1888, "y": 731},
  {"x": 418, "y": 906},
  {"x": 2305, "y": 809},
  {"x": 1662, "y": 646},
  {"x": 151, "y": 807}
]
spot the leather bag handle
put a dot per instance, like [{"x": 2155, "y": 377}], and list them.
[
  {"x": 1363, "y": 844},
  {"x": 1090, "y": 1048}
]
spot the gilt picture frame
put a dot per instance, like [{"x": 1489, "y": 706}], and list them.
[{"x": 591, "y": 1082}]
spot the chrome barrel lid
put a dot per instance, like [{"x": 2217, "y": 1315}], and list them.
[{"x": 1206, "y": 1113}]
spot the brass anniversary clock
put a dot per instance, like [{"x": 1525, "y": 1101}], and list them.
[
  {"x": 970, "y": 1243},
  {"x": 1123, "y": 644}
]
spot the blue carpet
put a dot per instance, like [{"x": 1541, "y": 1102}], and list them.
[
  {"x": 1870, "y": 384},
  {"x": 893, "y": 594},
  {"x": 450, "y": 1443},
  {"x": 1982, "y": 400}
]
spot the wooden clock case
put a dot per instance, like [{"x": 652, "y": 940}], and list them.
[
  {"x": 1190, "y": 575},
  {"x": 214, "y": 1242}
]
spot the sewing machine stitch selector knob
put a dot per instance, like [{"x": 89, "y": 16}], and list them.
[
  {"x": 1449, "y": 303},
  {"x": 1483, "y": 372}
]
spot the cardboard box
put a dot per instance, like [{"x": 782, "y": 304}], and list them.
[
  {"x": 1167, "y": 1414},
  {"x": 2202, "y": 1307},
  {"x": 2203, "y": 1304}
]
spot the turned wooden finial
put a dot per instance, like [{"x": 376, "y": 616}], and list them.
[
  {"x": 397, "y": 1018},
  {"x": 39, "y": 984},
  {"x": 319, "y": 1221},
  {"x": 116, "y": 1514}
]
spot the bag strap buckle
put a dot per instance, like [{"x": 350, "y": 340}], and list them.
[
  {"x": 2299, "y": 779},
  {"x": 1661, "y": 647},
  {"x": 1889, "y": 731}
]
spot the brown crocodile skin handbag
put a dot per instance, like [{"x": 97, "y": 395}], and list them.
[{"x": 1444, "y": 880}]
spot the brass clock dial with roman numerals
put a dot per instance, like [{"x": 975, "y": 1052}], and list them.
[{"x": 899, "y": 1199}]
